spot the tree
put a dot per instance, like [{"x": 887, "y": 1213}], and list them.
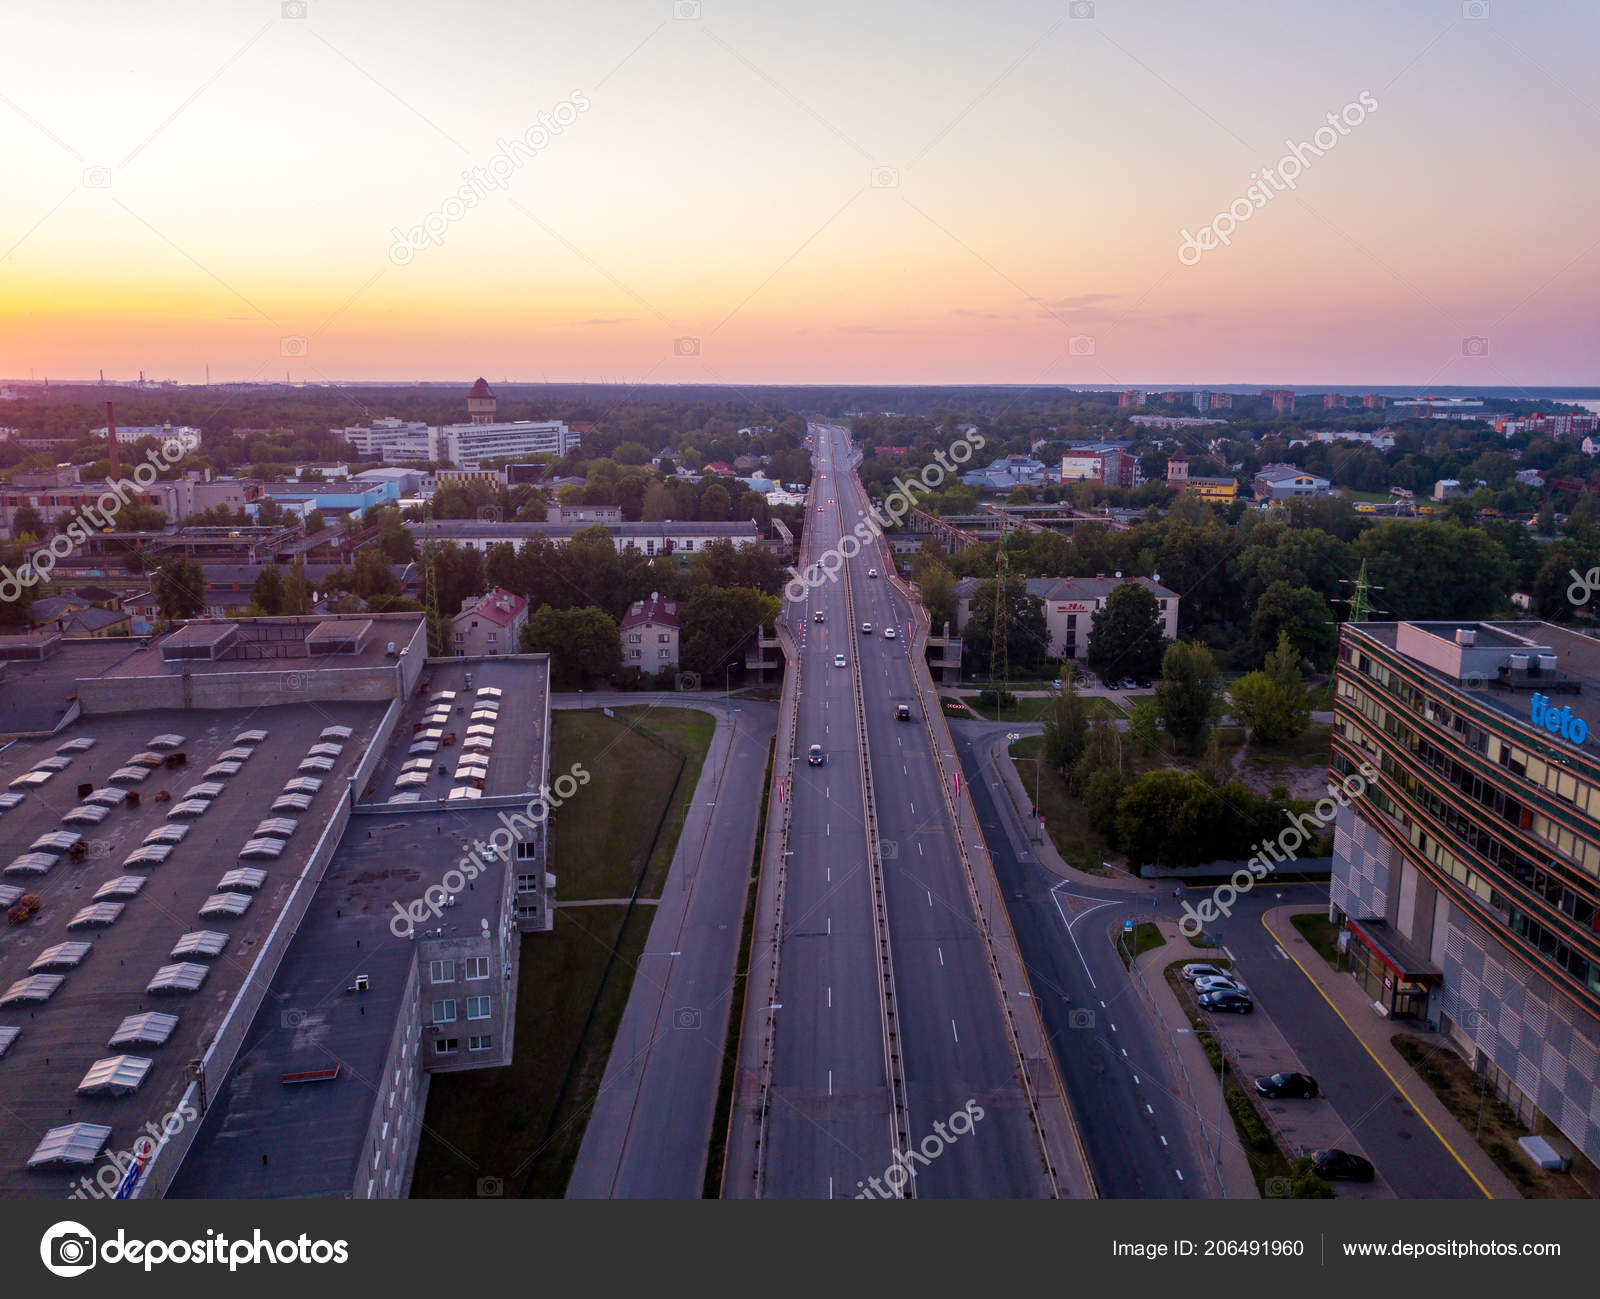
[
  {"x": 1186, "y": 695},
  {"x": 315, "y": 523},
  {"x": 1126, "y": 638},
  {"x": 181, "y": 589},
  {"x": 715, "y": 502},
  {"x": 1271, "y": 710},
  {"x": 1025, "y": 633},
  {"x": 1435, "y": 570},
  {"x": 298, "y": 591},
  {"x": 937, "y": 586},
  {"x": 373, "y": 575},
  {"x": 1066, "y": 727},
  {"x": 1144, "y": 727},
  {"x": 1299, "y": 613},
  {"x": 267, "y": 592},
  {"x": 28, "y": 522},
  {"x": 584, "y": 644},
  {"x": 717, "y": 624}
]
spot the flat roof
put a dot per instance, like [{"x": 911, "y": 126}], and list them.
[
  {"x": 270, "y": 642},
  {"x": 62, "y": 1038},
  {"x": 36, "y": 694}
]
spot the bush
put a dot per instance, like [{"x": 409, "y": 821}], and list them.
[
  {"x": 1305, "y": 1184},
  {"x": 1250, "y": 1125},
  {"x": 996, "y": 699}
]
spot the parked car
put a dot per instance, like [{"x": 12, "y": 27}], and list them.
[
  {"x": 1128, "y": 683},
  {"x": 1235, "y": 1003},
  {"x": 1201, "y": 970},
  {"x": 838, "y": 660},
  {"x": 1287, "y": 1087},
  {"x": 1143, "y": 683},
  {"x": 816, "y": 757},
  {"x": 1341, "y": 1166},
  {"x": 1218, "y": 983}
]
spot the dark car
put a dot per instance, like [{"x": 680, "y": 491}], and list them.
[
  {"x": 816, "y": 757},
  {"x": 1143, "y": 683},
  {"x": 1236, "y": 1003},
  {"x": 1287, "y": 1087},
  {"x": 1341, "y": 1166}
]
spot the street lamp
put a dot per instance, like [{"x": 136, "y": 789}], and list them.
[{"x": 687, "y": 804}]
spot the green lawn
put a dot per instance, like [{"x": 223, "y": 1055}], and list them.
[
  {"x": 1064, "y": 816},
  {"x": 643, "y": 763},
  {"x": 1146, "y": 937},
  {"x": 1321, "y": 933},
  {"x": 523, "y": 1124},
  {"x": 1030, "y": 708}
]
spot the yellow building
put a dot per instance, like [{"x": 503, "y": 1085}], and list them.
[{"x": 1211, "y": 489}]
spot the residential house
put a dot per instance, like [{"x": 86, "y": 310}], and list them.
[
  {"x": 488, "y": 625},
  {"x": 651, "y": 630}
]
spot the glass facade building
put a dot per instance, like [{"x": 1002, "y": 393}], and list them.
[{"x": 1469, "y": 871}]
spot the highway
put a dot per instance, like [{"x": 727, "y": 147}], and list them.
[{"x": 831, "y": 1125}]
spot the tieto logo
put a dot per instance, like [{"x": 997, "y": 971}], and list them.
[{"x": 68, "y": 1249}]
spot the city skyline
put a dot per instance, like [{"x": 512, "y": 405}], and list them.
[{"x": 696, "y": 194}]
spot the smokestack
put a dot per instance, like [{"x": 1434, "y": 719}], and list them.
[{"x": 111, "y": 439}]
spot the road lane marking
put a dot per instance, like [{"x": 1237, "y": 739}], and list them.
[
  {"x": 1179, "y": 1172},
  {"x": 1148, "y": 1109},
  {"x": 1163, "y": 1139},
  {"x": 830, "y": 1082},
  {"x": 930, "y": 897},
  {"x": 1113, "y": 1026},
  {"x": 953, "y": 1030},
  {"x": 941, "y": 955}
]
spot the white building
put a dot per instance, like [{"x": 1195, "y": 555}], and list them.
[
  {"x": 467, "y": 445},
  {"x": 384, "y": 433},
  {"x": 127, "y": 434}
]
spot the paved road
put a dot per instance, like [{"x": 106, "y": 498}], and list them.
[
  {"x": 1133, "y": 1109},
  {"x": 1411, "y": 1158},
  {"x": 649, "y": 1130},
  {"x": 830, "y": 1129}
]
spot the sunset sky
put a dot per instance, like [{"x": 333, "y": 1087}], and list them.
[{"x": 828, "y": 192}]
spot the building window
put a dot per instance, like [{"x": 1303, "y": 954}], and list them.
[
  {"x": 527, "y": 883},
  {"x": 477, "y": 1008},
  {"x": 460, "y": 636},
  {"x": 444, "y": 1012},
  {"x": 483, "y": 1043},
  {"x": 441, "y": 971},
  {"x": 446, "y": 1045},
  {"x": 666, "y": 654},
  {"x": 493, "y": 636},
  {"x": 663, "y": 638},
  {"x": 477, "y": 967}
]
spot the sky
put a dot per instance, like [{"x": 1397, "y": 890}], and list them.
[{"x": 703, "y": 191}]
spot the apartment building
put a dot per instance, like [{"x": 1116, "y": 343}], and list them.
[
  {"x": 1070, "y": 604},
  {"x": 488, "y": 625},
  {"x": 651, "y": 630}
]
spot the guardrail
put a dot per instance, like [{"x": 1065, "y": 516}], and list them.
[
  {"x": 926, "y": 691},
  {"x": 894, "y": 1062}
]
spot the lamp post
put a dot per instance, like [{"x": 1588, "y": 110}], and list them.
[{"x": 687, "y": 804}]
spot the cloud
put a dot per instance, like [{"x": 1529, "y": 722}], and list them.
[
  {"x": 604, "y": 322},
  {"x": 1081, "y": 302}
]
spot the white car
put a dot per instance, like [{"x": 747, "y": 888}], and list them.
[
  {"x": 866, "y": 629},
  {"x": 838, "y": 660},
  {"x": 1218, "y": 983},
  {"x": 872, "y": 572},
  {"x": 1201, "y": 970},
  {"x": 888, "y": 633}
]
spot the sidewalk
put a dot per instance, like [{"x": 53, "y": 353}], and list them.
[
  {"x": 997, "y": 758},
  {"x": 1373, "y": 1031},
  {"x": 1196, "y": 1075}
]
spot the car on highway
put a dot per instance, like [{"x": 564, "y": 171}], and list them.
[
  {"x": 1235, "y": 1003},
  {"x": 1341, "y": 1166},
  {"x": 1218, "y": 983},
  {"x": 838, "y": 660},
  {"x": 815, "y": 756},
  {"x": 866, "y": 629},
  {"x": 817, "y": 616},
  {"x": 1287, "y": 1087},
  {"x": 888, "y": 633},
  {"x": 872, "y": 572},
  {"x": 1201, "y": 970},
  {"x": 902, "y": 712}
]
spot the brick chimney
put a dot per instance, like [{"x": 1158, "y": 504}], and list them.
[{"x": 111, "y": 439}]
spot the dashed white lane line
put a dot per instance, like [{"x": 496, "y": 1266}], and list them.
[
  {"x": 1280, "y": 951},
  {"x": 830, "y": 1082},
  {"x": 954, "y": 1033},
  {"x": 920, "y": 853},
  {"x": 1113, "y": 1025},
  {"x": 830, "y": 996},
  {"x": 1136, "y": 1082},
  {"x": 1229, "y": 954},
  {"x": 930, "y": 897},
  {"x": 1179, "y": 1172},
  {"x": 1124, "y": 1050},
  {"x": 1163, "y": 1139},
  {"x": 830, "y": 934},
  {"x": 941, "y": 955},
  {"x": 1148, "y": 1109}
]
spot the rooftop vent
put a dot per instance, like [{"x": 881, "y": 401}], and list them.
[{"x": 1466, "y": 636}]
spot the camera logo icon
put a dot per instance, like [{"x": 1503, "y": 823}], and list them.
[
  {"x": 67, "y": 1249},
  {"x": 293, "y": 345},
  {"x": 888, "y": 850},
  {"x": 1277, "y": 1188},
  {"x": 97, "y": 178},
  {"x": 293, "y": 1017},
  {"x": 1080, "y": 345},
  {"x": 686, "y": 11},
  {"x": 686, "y": 1017},
  {"x": 293, "y": 8},
  {"x": 688, "y": 681},
  {"x": 491, "y": 1188},
  {"x": 1475, "y": 345},
  {"x": 686, "y": 346},
  {"x": 1082, "y": 1017},
  {"x": 884, "y": 178},
  {"x": 296, "y": 680},
  {"x": 489, "y": 514}
]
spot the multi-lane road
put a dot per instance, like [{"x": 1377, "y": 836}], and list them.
[{"x": 925, "y": 1023}]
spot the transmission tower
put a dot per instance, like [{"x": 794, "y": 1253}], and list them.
[
  {"x": 1361, "y": 607},
  {"x": 998, "y": 647},
  {"x": 430, "y": 586}
]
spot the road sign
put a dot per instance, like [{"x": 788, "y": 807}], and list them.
[
  {"x": 1127, "y": 926},
  {"x": 608, "y": 712}
]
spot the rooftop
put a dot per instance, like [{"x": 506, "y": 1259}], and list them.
[{"x": 62, "y": 1038}]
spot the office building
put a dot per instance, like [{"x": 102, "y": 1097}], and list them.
[{"x": 1466, "y": 873}]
